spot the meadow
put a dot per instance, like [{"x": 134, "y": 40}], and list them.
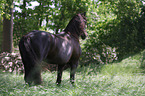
[{"x": 125, "y": 78}]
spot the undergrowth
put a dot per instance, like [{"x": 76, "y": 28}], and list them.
[{"x": 124, "y": 78}]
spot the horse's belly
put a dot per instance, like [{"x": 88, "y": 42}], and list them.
[{"x": 59, "y": 58}]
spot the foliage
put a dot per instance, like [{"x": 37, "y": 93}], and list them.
[
  {"x": 125, "y": 78},
  {"x": 11, "y": 62},
  {"x": 117, "y": 24},
  {"x": 99, "y": 53},
  {"x": 5, "y": 6},
  {"x": 55, "y": 13},
  {"x": 2, "y": 2},
  {"x": 143, "y": 60},
  {"x": 115, "y": 27}
]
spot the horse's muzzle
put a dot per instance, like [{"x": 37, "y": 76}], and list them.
[{"x": 84, "y": 35}]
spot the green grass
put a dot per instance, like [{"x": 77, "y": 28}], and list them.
[{"x": 125, "y": 78}]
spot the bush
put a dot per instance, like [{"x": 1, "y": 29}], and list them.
[
  {"x": 11, "y": 62},
  {"x": 117, "y": 29},
  {"x": 143, "y": 60},
  {"x": 99, "y": 53}
]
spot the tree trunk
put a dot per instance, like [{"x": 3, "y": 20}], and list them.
[
  {"x": 1, "y": 31},
  {"x": 7, "y": 44},
  {"x": 24, "y": 24},
  {"x": 24, "y": 9}
]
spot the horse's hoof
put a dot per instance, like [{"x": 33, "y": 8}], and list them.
[{"x": 58, "y": 84}]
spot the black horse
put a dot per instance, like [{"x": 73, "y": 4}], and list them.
[{"x": 62, "y": 49}]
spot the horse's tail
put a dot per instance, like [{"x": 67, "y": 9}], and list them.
[
  {"x": 30, "y": 61},
  {"x": 29, "y": 48},
  {"x": 26, "y": 48}
]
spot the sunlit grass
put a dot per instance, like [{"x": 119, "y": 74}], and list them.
[{"x": 124, "y": 78}]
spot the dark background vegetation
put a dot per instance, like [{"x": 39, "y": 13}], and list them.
[{"x": 115, "y": 27}]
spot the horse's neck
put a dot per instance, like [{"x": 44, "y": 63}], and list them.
[
  {"x": 75, "y": 36},
  {"x": 72, "y": 30}
]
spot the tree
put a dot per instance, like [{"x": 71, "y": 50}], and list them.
[
  {"x": 2, "y": 2},
  {"x": 1, "y": 29},
  {"x": 8, "y": 27},
  {"x": 56, "y": 14},
  {"x": 115, "y": 30}
]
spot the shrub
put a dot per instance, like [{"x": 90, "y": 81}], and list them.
[
  {"x": 11, "y": 62},
  {"x": 143, "y": 60},
  {"x": 97, "y": 52},
  {"x": 115, "y": 28}
]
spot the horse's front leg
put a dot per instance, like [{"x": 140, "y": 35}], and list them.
[
  {"x": 72, "y": 72},
  {"x": 59, "y": 74}
]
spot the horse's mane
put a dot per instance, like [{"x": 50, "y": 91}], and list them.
[{"x": 74, "y": 24}]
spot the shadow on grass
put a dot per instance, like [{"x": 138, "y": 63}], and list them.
[{"x": 91, "y": 68}]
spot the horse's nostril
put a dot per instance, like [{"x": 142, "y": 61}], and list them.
[{"x": 83, "y": 36}]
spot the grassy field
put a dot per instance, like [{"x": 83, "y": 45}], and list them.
[{"x": 124, "y": 78}]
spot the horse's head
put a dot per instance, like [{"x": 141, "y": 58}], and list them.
[
  {"x": 82, "y": 25},
  {"x": 77, "y": 26}
]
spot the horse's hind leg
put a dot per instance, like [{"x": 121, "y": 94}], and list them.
[
  {"x": 72, "y": 72},
  {"x": 37, "y": 74},
  {"x": 28, "y": 77},
  {"x": 32, "y": 71},
  {"x": 59, "y": 74}
]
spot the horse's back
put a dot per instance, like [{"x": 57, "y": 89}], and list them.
[
  {"x": 37, "y": 43},
  {"x": 55, "y": 49}
]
